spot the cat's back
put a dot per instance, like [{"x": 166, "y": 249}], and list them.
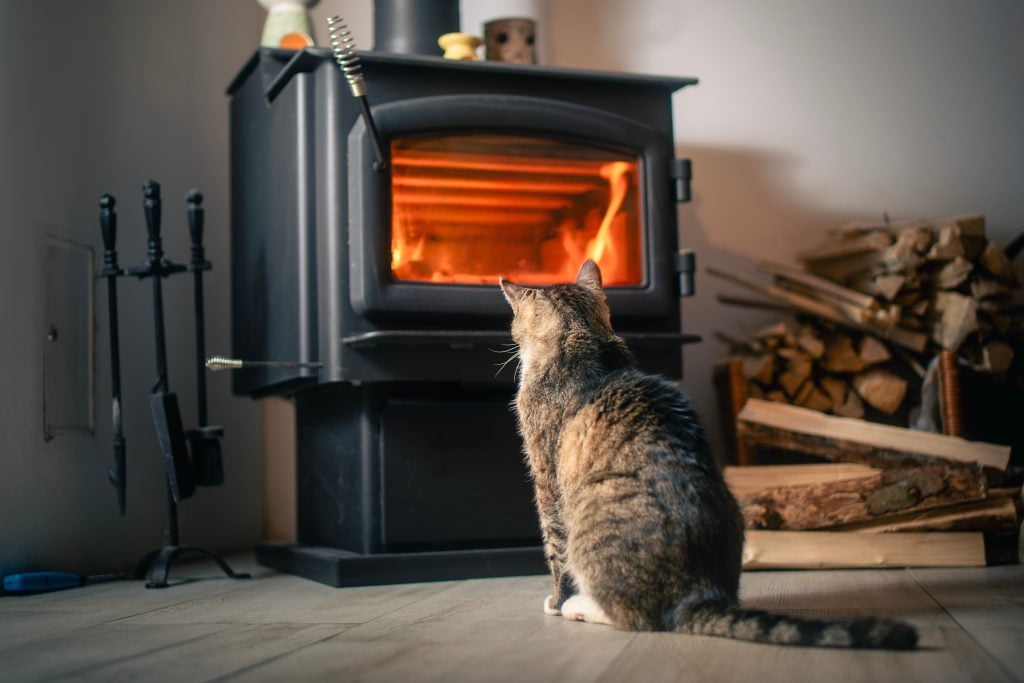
[{"x": 630, "y": 413}]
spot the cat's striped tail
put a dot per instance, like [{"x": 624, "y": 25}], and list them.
[{"x": 719, "y": 618}]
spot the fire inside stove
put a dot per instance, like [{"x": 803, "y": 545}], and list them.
[{"x": 469, "y": 208}]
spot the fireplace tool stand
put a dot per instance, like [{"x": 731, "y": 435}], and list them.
[{"x": 180, "y": 476}]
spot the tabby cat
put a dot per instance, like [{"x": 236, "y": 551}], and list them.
[{"x": 640, "y": 531}]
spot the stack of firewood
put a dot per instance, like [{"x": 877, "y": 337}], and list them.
[
  {"x": 874, "y": 304},
  {"x": 871, "y": 308},
  {"x": 933, "y": 489}
]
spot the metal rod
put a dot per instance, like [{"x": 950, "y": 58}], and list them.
[
  {"x": 218, "y": 363},
  {"x": 197, "y": 265},
  {"x": 344, "y": 47},
  {"x": 117, "y": 471}
]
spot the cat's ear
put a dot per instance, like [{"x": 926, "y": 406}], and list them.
[
  {"x": 513, "y": 292},
  {"x": 589, "y": 276}
]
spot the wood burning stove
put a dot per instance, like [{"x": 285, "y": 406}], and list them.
[{"x": 409, "y": 465}]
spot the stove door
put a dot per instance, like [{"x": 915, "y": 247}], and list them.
[{"x": 479, "y": 187}]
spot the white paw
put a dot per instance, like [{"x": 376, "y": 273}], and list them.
[
  {"x": 583, "y": 608},
  {"x": 549, "y": 607}
]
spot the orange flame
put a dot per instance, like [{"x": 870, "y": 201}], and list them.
[{"x": 467, "y": 218}]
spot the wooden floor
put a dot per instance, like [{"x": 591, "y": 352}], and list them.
[{"x": 283, "y": 628}]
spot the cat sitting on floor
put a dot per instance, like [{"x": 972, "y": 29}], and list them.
[{"x": 640, "y": 531}]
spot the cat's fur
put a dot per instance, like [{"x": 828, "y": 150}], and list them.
[{"x": 639, "y": 529}]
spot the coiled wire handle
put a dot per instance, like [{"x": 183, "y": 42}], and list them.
[{"x": 343, "y": 45}]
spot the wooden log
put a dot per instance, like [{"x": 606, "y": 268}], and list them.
[
  {"x": 959, "y": 318},
  {"x": 808, "y": 340},
  {"x": 821, "y": 506},
  {"x": 810, "y": 396},
  {"x": 848, "y": 269},
  {"x": 747, "y": 302},
  {"x": 852, "y": 407},
  {"x": 823, "y": 288},
  {"x": 840, "y": 356},
  {"x": 797, "y": 372},
  {"x": 836, "y": 388},
  {"x": 850, "y": 440},
  {"x": 995, "y": 262},
  {"x": 841, "y": 550},
  {"x": 744, "y": 481},
  {"x": 992, "y": 514},
  {"x": 888, "y": 286},
  {"x": 947, "y": 246},
  {"x": 760, "y": 368},
  {"x": 881, "y": 389},
  {"x": 833, "y": 249},
  {"x": 985, "y": 288},
  {"x": 954, "y": 273},
  {"x": 871, "y": 351}
]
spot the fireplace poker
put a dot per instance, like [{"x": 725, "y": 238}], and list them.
[
  {"x": 344, "y": 47},
  {"x": 117, "y": 472},
  {"x": 204, "y": 440}
]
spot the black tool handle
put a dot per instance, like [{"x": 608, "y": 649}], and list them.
[
  {"x": 197, "y": 265},
  {"x": 117, "y": 472},
  {"x": 151, "y": 205}
]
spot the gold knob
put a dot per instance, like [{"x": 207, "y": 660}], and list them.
[{"x": 460, "y": 46}]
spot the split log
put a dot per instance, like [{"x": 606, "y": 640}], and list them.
[
  {"x": 869, "y": 242},
  {"x": 993, "y": 514},
  {"x": 836, "y": 389},
  {"x": 852, "y": 407},
  {"x": 820, "y": 506},
  {"x": 888, "y": 286},
  {"x": 810, "y": 396},
  {"x": 959, "y": 319},
  {"x": 743, "y": 481},
  {"x": 841, "y": 550},
  {"x": 808, "y": 340},
  {"x": 954, "y": 273},
  {"x": 881, "y": 389},
  {"x": 844, "y": 439},
  {"x": 819, "y": 285},
  {"x": 995, "y": 262},
  {"x": 872, "y": 351},
  {"x": 760, "y": 368},
  {"x": 948, "y": 245},
  {"x": 796, "y": 374},
  {"x": 840, "y": 356}
]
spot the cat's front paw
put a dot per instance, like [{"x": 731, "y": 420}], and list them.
[{"x": 549, "y": 607}]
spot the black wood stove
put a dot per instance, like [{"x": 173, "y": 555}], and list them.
[{"x": 409, "y": 464}]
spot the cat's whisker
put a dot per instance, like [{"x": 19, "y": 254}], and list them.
[{"x": 508, "y": 360}]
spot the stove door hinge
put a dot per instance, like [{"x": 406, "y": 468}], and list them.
[
  {"x": 682, "y": 174},
  {"x": 685, "y": 265}
]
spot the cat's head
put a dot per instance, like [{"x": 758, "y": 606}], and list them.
[{"x": 549, "y": 316}]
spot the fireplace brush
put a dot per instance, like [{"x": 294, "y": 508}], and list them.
[{"x": 344, "y": 47}]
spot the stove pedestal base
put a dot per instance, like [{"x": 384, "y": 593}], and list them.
[{"x": 340, "y": 568}]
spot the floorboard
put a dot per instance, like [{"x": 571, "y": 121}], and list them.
[{"x": 277, "y": 627}]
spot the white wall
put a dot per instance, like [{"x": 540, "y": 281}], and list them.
[
  {"x": 98, "y": 97},
  {"x": 813, "y": 112}
]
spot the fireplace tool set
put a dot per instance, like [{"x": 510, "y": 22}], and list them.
[{"x": 190, "y": 459}]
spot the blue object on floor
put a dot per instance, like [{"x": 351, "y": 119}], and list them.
[{"x": 41, "y": 582}]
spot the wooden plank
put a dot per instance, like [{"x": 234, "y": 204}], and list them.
[
  {"x": 213, "y": 656},
  {"x": 986, "y": 604},
  {"x": 843, "y": 438},
  {"x": 82, "y": 651},
  {"x": 743, "y": 481},
  {"x": 476, "y": 630},
  {"x": 837, "y": 549},
  {"x": 282, "y": 598}
]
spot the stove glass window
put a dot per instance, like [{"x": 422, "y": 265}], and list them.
[{"x": 468, "y": 208}]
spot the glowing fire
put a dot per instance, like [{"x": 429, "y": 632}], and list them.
[{"x": 466, "y": 209}]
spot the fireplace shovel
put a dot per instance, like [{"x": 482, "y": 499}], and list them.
[{"x": 163, "y": 403}]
